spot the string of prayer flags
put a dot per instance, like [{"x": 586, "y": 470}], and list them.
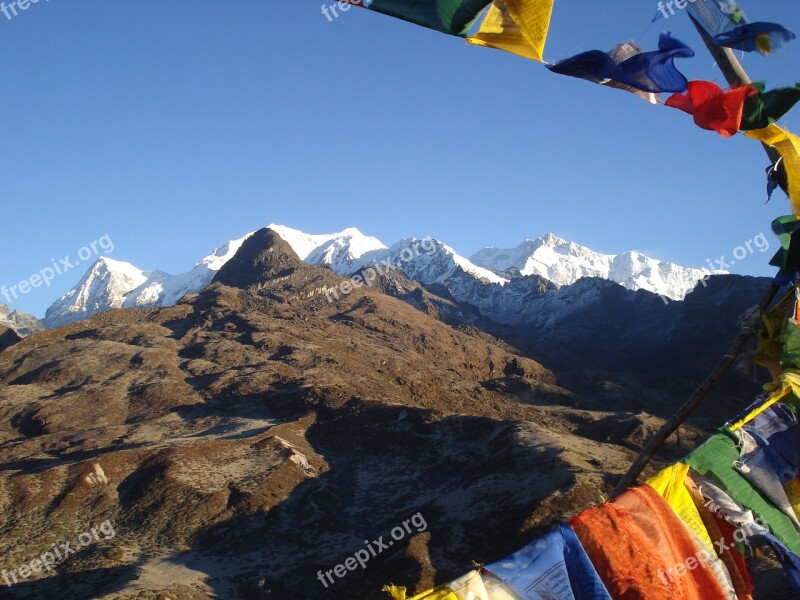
[
  {"x": 712, "y": 107},
  {"x": 516, "y": 26},
  {"x": 677, "y": 537},
  {"x": 653, "y": 72},
  {"x": 756, "y": 37}
]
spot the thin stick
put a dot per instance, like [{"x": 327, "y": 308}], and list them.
[{"x": 700, "y": 394}]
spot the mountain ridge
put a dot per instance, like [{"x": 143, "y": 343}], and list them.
[
  {"x": 564, "y": 263},
  {"x": 479, "y": 281}
]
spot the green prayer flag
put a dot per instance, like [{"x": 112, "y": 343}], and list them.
[
  {"x": 788, "y": 257},
  {"x": 455, "y": 17},
  {"x": 763, "y": 109},
  {"x": 790, "y": 338},
  {"x": 715, "y": 459}
]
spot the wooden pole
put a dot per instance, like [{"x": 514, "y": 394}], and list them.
[
  {"x": 727, "y": 62},
  {"x": 736, "y": 76}
]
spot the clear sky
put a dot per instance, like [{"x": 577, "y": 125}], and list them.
[{"x": 176, "y": 126}]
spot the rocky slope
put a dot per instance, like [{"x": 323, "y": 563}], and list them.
[{"x": 255, "y": 434}]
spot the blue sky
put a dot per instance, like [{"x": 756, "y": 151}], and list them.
[{"x": 175, "y": 126}]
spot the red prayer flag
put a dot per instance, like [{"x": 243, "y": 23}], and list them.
[{"x": 713, "y": 108}]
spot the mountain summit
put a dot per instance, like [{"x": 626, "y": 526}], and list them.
[
  {"x": 262, "y": 257},
  {"x": 104, "y": 286},
  {"x": 564, "y": 263}
]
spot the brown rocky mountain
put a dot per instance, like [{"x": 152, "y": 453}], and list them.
[{"x": 248, "y": 440}]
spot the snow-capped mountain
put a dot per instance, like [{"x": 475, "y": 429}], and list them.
[
  {"x": 431, "y": 261},
  {"x": 564, "y": 263},
  {"x": 104, "y": 286},
  {"x": 502, "y": 284},
  {"x": 115, "y": 284},
  {"x": 343, "y": 252}
]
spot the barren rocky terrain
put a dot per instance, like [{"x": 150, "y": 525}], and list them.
[{"x": 256, "y": 434}]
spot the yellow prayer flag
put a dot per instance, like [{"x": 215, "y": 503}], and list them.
[
  {"x": 789, "y": 384},
  {"x": 788, "y": 145},
  {"x": 516, "y": 26},
  {"x": 669, "y": 484}
]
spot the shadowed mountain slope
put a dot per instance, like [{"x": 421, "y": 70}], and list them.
[{"x": 8, "y": 337}]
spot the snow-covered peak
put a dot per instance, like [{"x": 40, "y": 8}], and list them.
[
  {"x": 425, "y": 260},
  {"x": 336, "y": 250},
  {"x": 431, "y": 261},
  {"x": 552, "y": 240},
  {"x": 104, "y": 286},
  {"x": 109, "y": 275},
  {"x": 344, "y": 251},
  {"x": 302, "y": 243},
  {"x": 564, "y": 263}
]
